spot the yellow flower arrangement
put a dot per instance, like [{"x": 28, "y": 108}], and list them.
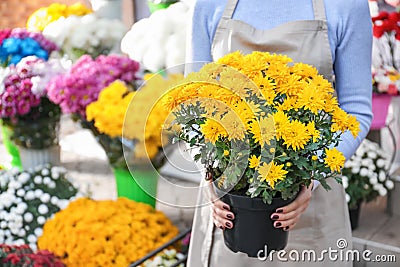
[
  {"x": 105, "y": 233},
  {"x": 279, "y": 121},
  {"x": 42, "y": 17},
  {"x": 121, "y": 113}
]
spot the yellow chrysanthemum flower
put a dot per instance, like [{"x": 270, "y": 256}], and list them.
[
  {"x": 310, "y": 99},
  {"x": 234, "y": 126},
  {"x": 296, "y": 136},
  {"x": 282, "y": 123},
  {"x": 312, "y": 131},
  {"x": 254, "y": 161},
  {"x": 334, "y": 159},
  {"x": 353, "y": 125},
  {"x": 212, "y": 130},
  {"x": 339, "y": 120},
  {"x": 263, "y": 130},
  {"x": 271, "y": 173}
]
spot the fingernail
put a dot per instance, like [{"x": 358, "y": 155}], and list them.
[
  {"x": 229, "y": 216},
  {"x": 221, "y": 227},
  {"x": 275, "y": 217},
  {"x": 278, "y": 224},
  {"x": 279, "y": 210},
  {"x": 228, "y": 225},
  {"x": 226, "y": 207},
  {"x": 286, "y": 228}
]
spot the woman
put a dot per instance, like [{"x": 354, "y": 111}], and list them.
[{"x": 334, "y": 36}]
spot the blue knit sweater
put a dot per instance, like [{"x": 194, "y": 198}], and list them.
[{"x": 350, "y": 37}]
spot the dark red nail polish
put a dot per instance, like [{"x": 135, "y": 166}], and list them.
[
  {"x": 275, "y": 217},
  {"x": 286, "y": 228},
  {"x": 226, "y": 207},
  {"x": 229, "y": 216},
  {"x": 278, "y": 224},
  {"x": 279, "y": 210},
  {"x": 228, "y": 225},
  {"x": 221, "y": 227}
]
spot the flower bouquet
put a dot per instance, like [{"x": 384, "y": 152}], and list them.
[
  {"x": 18, "y": 43},
  {"x": 31, "y": 118},
  {"x": 365, "y": 177},
  {"x": 105, "y": 233},
  {"x": 23, "y": 256},
  {"x": 159, "y": 40},
  {"x": 42, "y": 17},
  {"x": 82, "y": 83},
  {"x": 386, "y": 53},
  {"x": 28, "y": 199},
  {"x": 263, "y": 127},
  {"x": 117, "y": 117},
  {"x": 88, "y": 34}
]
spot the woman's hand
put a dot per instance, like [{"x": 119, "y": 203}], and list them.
[
  {"x": 222, "y": 216},
  {"x": 286, "y": 217}
]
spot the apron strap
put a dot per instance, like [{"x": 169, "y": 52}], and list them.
[
  {"x": 319, "y": 10},
  {"x": 229, "y": 9}
]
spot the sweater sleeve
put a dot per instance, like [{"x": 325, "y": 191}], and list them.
[{"x": 352, "y": 66}]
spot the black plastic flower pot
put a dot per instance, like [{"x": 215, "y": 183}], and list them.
[{"x": 253, "y": 232}]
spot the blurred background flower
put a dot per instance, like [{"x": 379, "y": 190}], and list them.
[
  {"x": 88, "y": 34},
  {"x": 18, "y": 43}
]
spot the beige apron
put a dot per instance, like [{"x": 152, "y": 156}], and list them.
[{"x": 326, "y": 219}]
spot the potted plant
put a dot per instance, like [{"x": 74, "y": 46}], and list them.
[
  {"x": 263, "y": 128},
  {"x": 129, "y": 128},
  {"x": 365, "y": 177},
  {"x": 30, "y": 118},
  {"x": 28, "y": 199},
  {"x": 24, "y": 256},
  {"x": 105, "y": 233}
]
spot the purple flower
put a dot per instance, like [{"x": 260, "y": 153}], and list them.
[
  {"x": 23, "y": 107},
  {"x": 87, "y": 77}
]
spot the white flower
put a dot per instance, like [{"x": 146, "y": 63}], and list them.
[
  {"x": 23, "y": 177},
  {"x": 37, "y": 179},
  {"x": 54, "y": 200},
  {"x": 366, "y": 162},
  {"x": 62, "y": 203},
  {"x": 380, "y": 163},
  {"x": 45, "y": 198},
  {"x": 389, "y": 184},
  {"x": 41, "y": 220},
  {"x": 28, "y": 217},
  {"x": 348, "y": 198},
  {"x": 52, "y": 185},
  {"x": 38, "y": 232},
  {"x": 45, "y": 172},
  {"x": 22, "y": 233},
  {"x": 372, "y": 154},
  {"x": 30, "y": 195},
  {"x": 46, "y": 180},
  {"x": 20, "y": 192},
  {"x": 31, "y": 238},
  {"x": 345, "y": 182},
  {"x": 366, "y": 186},
  {"x": 43, "y": 209},
  {"x": 355, "y": 169},
  {"x": 21, "y": 208},
  {"x": 13, "y": 184},
  {"x": 373, "y": 180},
  {"x": 382, "y": 191},
  {"x": 38, "y": 193},
  {"x": 364, "y": 172},
  {"x": 382, "y": 176},
  {"x": 3, "y": 224}
]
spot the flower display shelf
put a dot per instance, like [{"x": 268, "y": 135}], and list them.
[{"x": 172, "y": 242}]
